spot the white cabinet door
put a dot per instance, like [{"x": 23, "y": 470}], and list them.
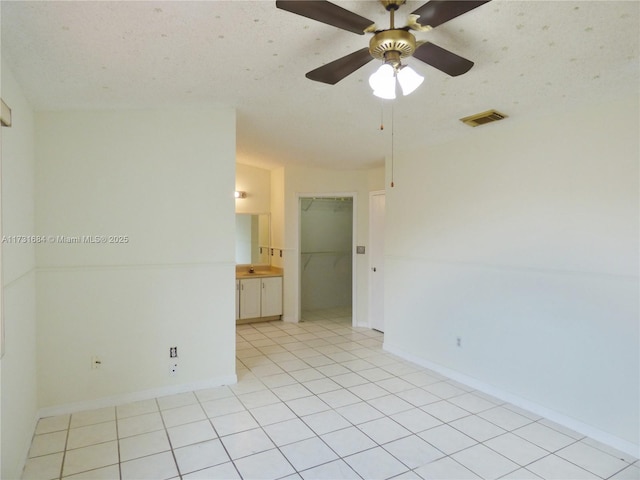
[
  {"x": 250, "y": 298},
  {"x": 271, "y": 296}
]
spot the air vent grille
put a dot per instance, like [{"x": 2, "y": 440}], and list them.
[{"x": 483, "y": 118}]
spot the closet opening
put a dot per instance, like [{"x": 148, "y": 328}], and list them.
[{"x": 326, "y": 258}]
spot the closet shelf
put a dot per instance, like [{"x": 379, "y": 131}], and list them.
[
  {"x": 341, "y": 252},
  {"x": 337, "y": 254}
]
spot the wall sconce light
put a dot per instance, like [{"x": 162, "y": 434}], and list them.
[
  {"x": 239, "y": 194},
  {"x": 5, "y": 114}
]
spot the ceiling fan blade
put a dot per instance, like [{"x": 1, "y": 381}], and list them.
[
  {"x": 335, "y": 71},
  {"x": 436, "y": 12},
  {"x": 327, "y": 12},
  {"x": 444, "y": 60}
]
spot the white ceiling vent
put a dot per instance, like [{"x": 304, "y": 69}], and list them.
[{"x": 482, "y": 118}]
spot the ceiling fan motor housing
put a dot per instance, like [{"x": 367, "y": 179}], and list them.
[
  {"x": 400, "y": 42},
  {"x": 392, "y": 4}
]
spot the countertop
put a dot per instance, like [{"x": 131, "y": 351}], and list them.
[{"x": 259, "y": 272}]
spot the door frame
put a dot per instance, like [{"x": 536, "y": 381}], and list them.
[
  {"x": 354, "y": 223},
  {"x": 370, "y": 259}
]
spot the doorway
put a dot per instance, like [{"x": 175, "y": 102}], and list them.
[{"x": 326, "y": 258}]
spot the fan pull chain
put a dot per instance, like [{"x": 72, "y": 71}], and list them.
[{"x": 392, "y": 134}]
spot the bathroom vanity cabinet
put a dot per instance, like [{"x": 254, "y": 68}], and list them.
[{"x": 258, "y": 298}]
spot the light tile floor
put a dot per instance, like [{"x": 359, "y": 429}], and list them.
[{"x": 319, "y": 400}]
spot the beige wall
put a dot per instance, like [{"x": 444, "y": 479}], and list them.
[
  {"x": 522, "y": 240},
  {"x": 302, "y": 180},
  {"x": 18, "y": 365},
  {"x": 167, "y": 188},
  {"x": 168, "y": 191},
  {"x": 257, "y": 183}
]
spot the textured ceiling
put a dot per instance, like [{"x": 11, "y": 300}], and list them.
[{"x": 532, "y": 58}]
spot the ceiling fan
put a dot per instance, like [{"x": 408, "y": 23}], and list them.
[{"x": 391, "y": 44}]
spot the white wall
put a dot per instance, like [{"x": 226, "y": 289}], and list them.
[
  {"x": 296, "y": 180},
  {"x": 522, "y": 239},
  {"x": 18, "y": 366},
  {"x": 257, "y": 183},
  {"x": 168, "y": 187}
]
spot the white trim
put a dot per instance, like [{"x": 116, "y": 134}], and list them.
[
  {"x": 370, "y": 274},
  {"x": 354, "y": 238},
  {"x": 559, "y": 418},
  {"x": 137, "y": 267},
  {"x": 135, "y": 396}
]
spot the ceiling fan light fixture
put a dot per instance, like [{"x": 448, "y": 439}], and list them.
[
  {"x": 383, "y": 82},
  {"x": 385, "y": 94},
  {"x": 409, "y": 79}
]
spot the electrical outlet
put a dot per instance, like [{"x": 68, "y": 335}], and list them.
[
  {"x": 173, "y": 369},
  {"x": 173, "y": 352},
  {"x": 95, "y": 362},
  {"x": 459, "y": 341}
]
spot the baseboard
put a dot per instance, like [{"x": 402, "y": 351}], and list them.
[
  {"x": 271, "y": 318},
  {"x": 134, "y": 396},
  {"x": 568, "y": 422}
]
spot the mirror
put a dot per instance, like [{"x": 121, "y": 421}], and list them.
[{"x": 253, "y": 232}]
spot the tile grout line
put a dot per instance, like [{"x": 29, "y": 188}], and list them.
[
  {"x": 66, "y": 442},
  {"x": 277, "y": 447},
  {"x": 118, "y": 443},
  {"x": 219, "y": 437},
  {"x": 166, "y": 432}
]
